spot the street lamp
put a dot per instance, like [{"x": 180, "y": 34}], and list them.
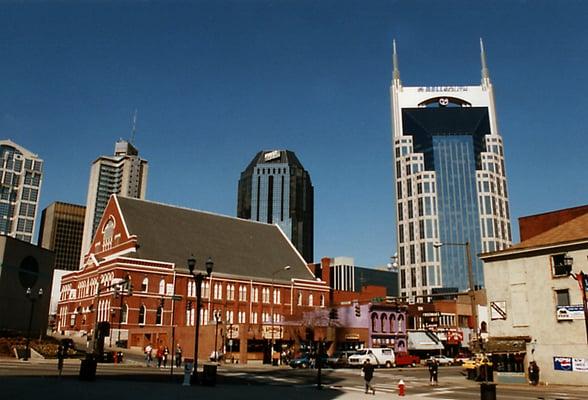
[
  {"x": 217, "y": 318},
  {"x": 29, "y": 294},
  {"x": 471, "y": 292},
  {"x": 198, "y": 278},
  {"x": 286, "y": 268}
]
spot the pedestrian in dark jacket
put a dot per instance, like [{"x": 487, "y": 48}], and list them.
[
  {"x": 178, "y": 356},
  {"x": 60, "y": 356},
  {"x": 433, "y": 370},
  {"x": 533, "y": 373},
  {"x": 368, "y": 375}
]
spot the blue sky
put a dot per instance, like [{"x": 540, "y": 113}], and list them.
[{"x": 215, "y": 82}]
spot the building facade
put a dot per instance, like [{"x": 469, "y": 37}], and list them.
[
  {"x": 276, "y": 189},
  {"x": 124, "y": 173},
  {"x": 259, "y": 288},
  {"x": 22, "y": 175},
  {"x": 450, "y": 182},
  {"x": 61, "y": 230},
  {"x": 537, "y": 301}
]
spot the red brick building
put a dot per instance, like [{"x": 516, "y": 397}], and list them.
[{"x": 257, "y": 273}]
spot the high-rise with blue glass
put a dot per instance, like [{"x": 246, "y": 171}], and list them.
[
  {"x": 276, "y": 189},
  {"x": 450, "y": 182}
]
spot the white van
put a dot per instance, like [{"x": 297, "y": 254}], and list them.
[{"x": 380, "y": 357}]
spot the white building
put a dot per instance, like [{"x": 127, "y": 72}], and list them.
[
  {"x": 124, "y": 173},
  {"x": 450, "y": 182},
  {"x": 534, "y": 300},
  {"x": 21, "y": 174}
]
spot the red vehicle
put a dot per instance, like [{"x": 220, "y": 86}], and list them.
[{"x": 406, "y": 360}]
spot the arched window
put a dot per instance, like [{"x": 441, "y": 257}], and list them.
[
  {"x": 142, "y": 312},
  {"x": 299, "y": 298},
  {"x": 374, "y": 322},
  {"x": 400, "y": 323},
  {"x": 159, "y": 315},
  {"x": 392, "y": 321},
  {"x": 383, "y": 320},
  {"x": 124, "y": 314},
  {"x": 310, "y": 299},
  {"x": 162, "y": 286},
  {"x": 322, "y": 300},
  {"x": 145, "y": 285}
]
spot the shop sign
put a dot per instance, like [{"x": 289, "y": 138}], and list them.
[
  {"x": 266, "y": 332},
  {"x": 352, "y": 336},
  {"x": 580, "y": 364},
  {"x": 568, "y": 313},
  {"x": 562, "y": 363}
]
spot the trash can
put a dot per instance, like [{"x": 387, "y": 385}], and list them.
[
  {"x": 487, "y": 391},
  {"x": 88, "y": 368},
  {"x": 209, "y": 375}
]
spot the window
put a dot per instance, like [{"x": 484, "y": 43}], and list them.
[
  {"x": 562, "y": 297},
  {"x": 230, "y": 292},
  {"x": 322, "y": 300},
  {"x": 162, "y": 286},
  {"x": 159, "y": 315},
  {"x": 561, "y": 265},
  {"x": 310, "y": 299},
  {"x": 374, "y": 322},
  {"x": 299, "y": 298},
  {"x": 205, "y": 287},
  {"x": 124, "y": 314},
  {"x": 254, "y": 318},
  {"x": 242, "y": 293},
  {"x": 229, "y": 319},
  {"x": 242, "y": 317},
  {"x": 218, "y": 291},
  {"x": 142, "y": 312},
  {"x": 277, "y": 299},
  {"x": 265, "y": 295},
  {"x": 254, "y": 295},
  {"x": 145, "y": 285}
]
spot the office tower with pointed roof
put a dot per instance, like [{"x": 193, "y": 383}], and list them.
[
  {"x": 21, "y": 175},
  {"x": 276, "y": 189},
  {"x": 124, "y": 173},
  {"x": 450, "y": 182}
]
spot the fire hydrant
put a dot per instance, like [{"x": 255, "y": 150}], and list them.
[{"x": 401, "y": 388}]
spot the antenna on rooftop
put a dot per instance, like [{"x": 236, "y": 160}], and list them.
[{"x": 134, "y": 127}]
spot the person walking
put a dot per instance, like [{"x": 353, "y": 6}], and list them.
[
  {"x": 368, "y": 375},
  {"x": 148, "y": 354},
  {"x": 178, "y": 356},
  {"x": 433, "y": 373},
  {"x": 165, "y": 356},
  {"x": 60, "y": 356},
  {"x": 533, "y": 373},
  {"x": 159, "y": 356}
]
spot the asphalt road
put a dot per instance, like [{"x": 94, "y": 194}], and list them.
[{"x": 28, "y": 380}]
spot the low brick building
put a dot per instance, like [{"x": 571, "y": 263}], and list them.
[{"x": 257, "y": 273}]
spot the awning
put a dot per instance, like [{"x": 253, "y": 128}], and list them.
[
  {"x": 419, "y": 340},
  {"x": 506, "y": 344}
]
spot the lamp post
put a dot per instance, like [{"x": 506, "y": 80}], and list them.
[
  {"x": 29, "y": 294},
  {"x": 471, "y": 291},
  {"x": 198, "y": 278},
  {"x": 217, "y": 318},
  {"x": 272, "y": 300}
]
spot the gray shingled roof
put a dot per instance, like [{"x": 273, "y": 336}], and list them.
[{"x": 237, "y": 246}]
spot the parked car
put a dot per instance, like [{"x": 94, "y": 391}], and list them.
[
  {"x": 442, "y": 360},
  {"x": 462, "y": 357},
  {"x": 380, "y": 357},
  {"x": 340, "y": 359},
  {"x": 407, "y": 360},
  {"x": 472, "y": 366},
  {"x": 305, "y": 361}
]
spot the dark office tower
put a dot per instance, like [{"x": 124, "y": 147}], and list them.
[
  {"x": 450, "y": 180},
  {"x": 62, "y": 228},
  {"x": 276, "y": 189}
]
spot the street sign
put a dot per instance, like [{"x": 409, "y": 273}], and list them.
[{"x": 176, "y": 297}]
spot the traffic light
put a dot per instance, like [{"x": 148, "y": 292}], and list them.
[{"x": 357, "y": 311}]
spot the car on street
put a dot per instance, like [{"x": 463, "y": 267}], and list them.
[
  {"x": 339, "y": 359},
  {"x": 306, "y": 361},
  {"x": 407, "y": 360},
  {"x": 441, "y": 360}
]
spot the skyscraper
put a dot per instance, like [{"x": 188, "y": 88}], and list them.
[
  {"x": 124, "y": 173},
  {"x": 62, "y": 228},
  {"x": 21, "y": 174},
  {"x": 276, "y": 189},
  {"x": 450, "y": 182}
]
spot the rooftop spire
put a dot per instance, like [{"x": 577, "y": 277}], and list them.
[
  {"x": 485, "y": 74},
  {"x": 396, "y": 73}
]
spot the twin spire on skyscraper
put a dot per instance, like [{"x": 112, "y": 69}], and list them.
[{"x": 485, "y": 73}]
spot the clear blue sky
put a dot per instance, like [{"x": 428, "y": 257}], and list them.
[{"x": 215, "y": 82}]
